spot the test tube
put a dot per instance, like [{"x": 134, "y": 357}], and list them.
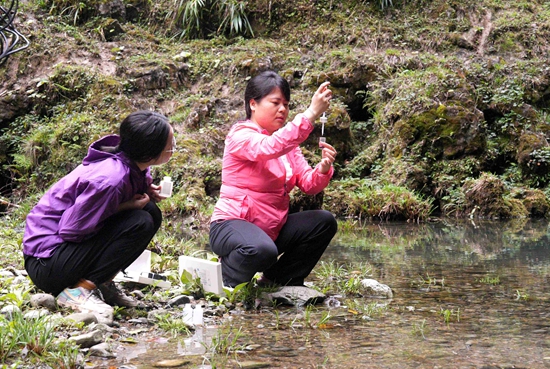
[{"x": 323, "y": 121}]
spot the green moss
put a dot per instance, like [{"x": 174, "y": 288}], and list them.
[{"x": 355, "y": 197}]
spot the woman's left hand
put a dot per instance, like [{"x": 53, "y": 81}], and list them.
[
  {"x": 154, "y": 193},
  {"x": 328, "y": 156}
]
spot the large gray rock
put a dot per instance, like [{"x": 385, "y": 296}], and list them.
[
  {"x": 296, "y": 295},
  {"x": 376, "y": 289},
  {"x": 88, "y": 339},
  {"x": 44, "y": 300}
]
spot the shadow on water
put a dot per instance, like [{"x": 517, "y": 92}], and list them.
[{"x": 466, "y": 295}]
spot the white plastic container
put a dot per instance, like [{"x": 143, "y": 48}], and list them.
[
  {"x": 188, "y": 314},
  {"x": 166, "y": 187},
  {"x": 198, "y": 315}
]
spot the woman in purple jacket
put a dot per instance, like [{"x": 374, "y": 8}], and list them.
[
  {"x": 99, "y": 218},
  {"x": 251, "y": 229}
]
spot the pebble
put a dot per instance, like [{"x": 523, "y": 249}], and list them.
[
  {"x": 86, "y": 318},
  {"x": 101, "y": 350},
  {"x": 88, "y": 339},
  {"x": 171, "y": 363},
  {"x": 43, "y": 300},
  {"x": 253, "y": 365}
]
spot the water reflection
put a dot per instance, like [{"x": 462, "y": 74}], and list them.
[{"x": 466, "y": 294}]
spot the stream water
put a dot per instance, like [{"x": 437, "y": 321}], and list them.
[{"x": 466, "y": 295}]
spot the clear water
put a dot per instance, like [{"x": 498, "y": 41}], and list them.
[{"x": 466, "y": 295}]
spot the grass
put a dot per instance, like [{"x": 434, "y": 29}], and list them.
[{"x": 35, "y": 341}]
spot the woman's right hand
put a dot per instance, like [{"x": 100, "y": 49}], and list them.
[
  {"x": 137, "y": 202},
  {"x": 319, "y": 102}
]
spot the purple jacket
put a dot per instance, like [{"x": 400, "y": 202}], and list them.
[{"x": 74, "y": 208}]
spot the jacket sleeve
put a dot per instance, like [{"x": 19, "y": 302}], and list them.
[
  {"x": 308, "y": 179},
  {"x": 246, "y": 141},
  {"x": 85, "y": 217}
]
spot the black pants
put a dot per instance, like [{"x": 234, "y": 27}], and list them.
[
  {"x": 118, "y": 244},
  {"x": 245, "y": 249}
]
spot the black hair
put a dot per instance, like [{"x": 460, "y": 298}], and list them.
[
  {"x": 261, "y": 85},
  {"x": 143, "y": 135}
]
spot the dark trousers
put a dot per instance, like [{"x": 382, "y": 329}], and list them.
[
  {"x": 118, "y": 244},
  {"x": 246, "y": 249}
]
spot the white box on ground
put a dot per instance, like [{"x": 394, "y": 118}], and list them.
[
  {"x": 140, "y": 272},
  {"x": 209, "y": 272}
]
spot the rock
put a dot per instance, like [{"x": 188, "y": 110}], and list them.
[
  {"x": 43, "y": 300},
  {"x": 6, "y": 274},
  {"x": 9, "y": 310},
  {"x": 88, "y": 339},
  {"x": 101, "y": 350},
  {"x": 296, "y": 295},
  {"x": 179, "y": 300},
  {"x": 171, "y": 363},
  {"x": 86, "y": 318},
  {"x": 253, "y": 364},
  {"x": 376, "y": 289},
  {"x": 35, "y": 314},
  {"x": 20, "y": 280}
]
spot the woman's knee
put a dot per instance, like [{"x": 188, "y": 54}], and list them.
[
  {"x": 155, "y": 213},
  {"x": 329, "y": 221}
]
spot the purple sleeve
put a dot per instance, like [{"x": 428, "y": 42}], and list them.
[{"x": 85, "y": 217}]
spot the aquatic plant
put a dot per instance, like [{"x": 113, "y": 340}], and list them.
[
  {"x": 488, "y": 279},
  {"x": 226, "y": 341},
  {"x": 448, "y": 315},
  {"x": 419, "y": 329}
]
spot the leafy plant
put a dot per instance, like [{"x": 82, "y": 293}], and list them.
[
  {"x": 207, "y": 18},
  {"x": 174, "y": 326},
  {"x": 192, "y": 284}
]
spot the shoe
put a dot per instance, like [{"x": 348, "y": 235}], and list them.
[
  {"x": 115, "y": 297},
  {"x": 85, "y": 301},
  {"x": 265, "y": 282}
]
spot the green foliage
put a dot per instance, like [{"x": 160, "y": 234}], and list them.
[
  {"x": 175, "y": 326},
  {"x": 35, "y": 341},
  {"x": 345, "y": 279},
  {"x": 539, "y": 163},
  {"x": 74, "y": 9},
  {"x": 207, "y": 18},
  {"x": 367, "y": 199},
  {"x": 192, "y": 285}
]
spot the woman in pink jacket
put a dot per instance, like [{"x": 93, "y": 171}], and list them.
[{"x": 251, "y": 229}]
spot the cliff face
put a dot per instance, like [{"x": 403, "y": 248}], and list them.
[{"x": 434, "y": 101}]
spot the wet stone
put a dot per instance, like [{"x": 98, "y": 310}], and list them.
[
  {"x": 101, "y": 350},
  {"x": 171, "y": 363},
  {"x": 88, "y": 339},
  {"x": 296, "y": 295},
  {"x": 253, "y": 365},
  {"x": 376, "y": 289}
]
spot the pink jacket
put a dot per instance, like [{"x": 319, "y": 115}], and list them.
[{"x": 255, "y": 186}]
